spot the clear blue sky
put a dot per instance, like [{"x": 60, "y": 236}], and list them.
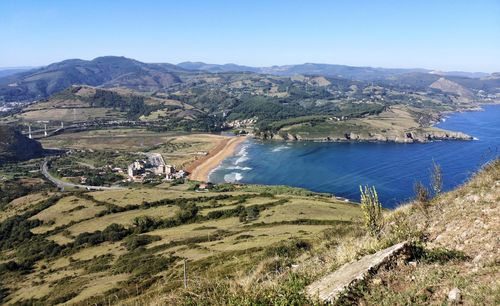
[{"x": 439, "y": 34}]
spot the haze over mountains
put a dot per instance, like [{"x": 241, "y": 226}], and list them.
[
  {"x": 350, "y": 72},
  {"x": 113, "y": 71}
]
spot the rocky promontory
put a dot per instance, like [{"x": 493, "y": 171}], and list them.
[{"x": 411, "y": 136}]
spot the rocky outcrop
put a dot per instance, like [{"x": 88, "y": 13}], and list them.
[
  {"x": 14, "y": 146},
  {"x": 411, "y": 136},
  {"x": 332, "y": 285}
]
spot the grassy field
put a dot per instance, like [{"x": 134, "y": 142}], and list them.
[
  {"x": 70, "y": 115},
  {"x": 393, "y": 124},
  {"x": 253, "y": 245},
  {"x": 66, "y": 210},
  {"x": 177, "y": 148},
  {"x": 243, "y": 222}
]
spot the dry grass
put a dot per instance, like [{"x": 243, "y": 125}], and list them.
[
  {"x": 66, "y": 210},
  {"x": 70, "y": 115},
  {"x": 22, "y": 204},
  {"x": 123, "y": 218},
  {"x": 304, "y": 208}
]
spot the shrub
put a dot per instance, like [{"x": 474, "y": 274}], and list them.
[
  {"x": 140, "y": 264},
  {"x": 436, "y": 179},
  {"x": 421, "y": 193},
  {"x": 133, "y": 242},
  {"x": 143, "y": 223},
  {"x": 289, "y": 248},
  {"x": 113, "y": 232},
  {"x": 99, "y": 264},
  {"x": 372, "y": 210}
]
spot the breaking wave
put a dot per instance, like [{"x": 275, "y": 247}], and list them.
[
  {"x": 243, "y": 155},
  {"x": 280, "y": 148},
  {"x": 239, "y": 168},
  {"x": 233, "y": 177}
]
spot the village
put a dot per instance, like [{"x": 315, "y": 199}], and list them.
[
  {"x": 141, "y": 169},
  {"x": 87, "y": 167}
]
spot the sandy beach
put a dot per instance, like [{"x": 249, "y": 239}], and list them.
[{"x": 201, "y": 168}]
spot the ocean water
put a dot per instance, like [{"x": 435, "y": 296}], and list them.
[{"x": 340, "y": 168}]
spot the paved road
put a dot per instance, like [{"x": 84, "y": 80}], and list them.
[{"x": 62, "y": 184}]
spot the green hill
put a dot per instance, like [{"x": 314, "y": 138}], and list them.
[
  {"x": 16, "y": 147},
  {"x": 243, "y": 245},
  {"x": 108, "y": 71}
]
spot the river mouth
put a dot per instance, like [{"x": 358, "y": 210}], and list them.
[{"x": 393, "y": 168}]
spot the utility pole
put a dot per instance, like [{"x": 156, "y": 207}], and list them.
[
  {"x": 185, "y": 274},
  {"x": 62, "y": 125}
]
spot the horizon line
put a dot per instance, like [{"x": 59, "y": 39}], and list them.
[{"x": 246, "y": 65}]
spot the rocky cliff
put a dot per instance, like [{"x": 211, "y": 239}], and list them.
[{"x": 409, "y": 136}]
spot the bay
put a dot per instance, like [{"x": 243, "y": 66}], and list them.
[{"x": 393, "y": 168}]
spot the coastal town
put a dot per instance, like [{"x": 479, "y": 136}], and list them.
[
  {"x": 93, "y": 169},
  {"x": 140, "y": 169}
]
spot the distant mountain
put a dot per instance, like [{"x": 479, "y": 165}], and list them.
[
  {"x": 13, "y": 70},
  {"x": 113, "y": 71},
  {"x": 14, "y": 146},
  {"x": 475, "y": 75},
  {"x": 109, "y": 71},
  {"x": 218, "y": 68},
  {"x": 342, "y": 71}
]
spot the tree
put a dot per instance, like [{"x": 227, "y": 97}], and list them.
[{"x": 372, "y": 210}]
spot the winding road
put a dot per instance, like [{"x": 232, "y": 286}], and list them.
[{"x": 44, "y": 168}]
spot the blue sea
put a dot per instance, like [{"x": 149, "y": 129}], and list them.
[{"x": 340, "y": 168}]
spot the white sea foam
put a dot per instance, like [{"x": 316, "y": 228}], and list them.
[
  {"x": 243, "y": 155},
  {"x": 280, "y": 148},
  {"x": 233, "y": 177},
  {"x": 213, "y": 171},
  {"x": 239, "y": 168}
]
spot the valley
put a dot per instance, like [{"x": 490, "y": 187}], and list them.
[
  {"x": 319, "y": 105},
  {"x": 79, "y": 226}
]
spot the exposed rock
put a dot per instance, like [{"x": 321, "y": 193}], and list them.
[
  {"x": 377, "y": 281},
  {"x": 454, "y": 296},
  {"x": 409, "y": 136},
  {"x": 329, "y": 287}
]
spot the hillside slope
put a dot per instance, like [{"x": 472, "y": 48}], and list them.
[
  {"x": 454, "y": 258},
  {"x": 16, "y": 147},
  {"x": 460, "y": 258},
  {"x": 108, "y": 71}
]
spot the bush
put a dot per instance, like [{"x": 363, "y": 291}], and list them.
[
  {"x": 113, "y": 232},
  {"x": 436, "y": 179},
  {"x": 99, "y": 263},
  {"x": 289, "y": 248},
  {"x": 372, "y": 210},
  {"x": 421, "y": 194},
  {"x": 140, "y": 264},
  {"x": 133, "y": 242},
  {"x": 143, "y": 223}
]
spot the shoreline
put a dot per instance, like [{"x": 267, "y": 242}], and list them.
[{"x": 201, "y": 168}]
